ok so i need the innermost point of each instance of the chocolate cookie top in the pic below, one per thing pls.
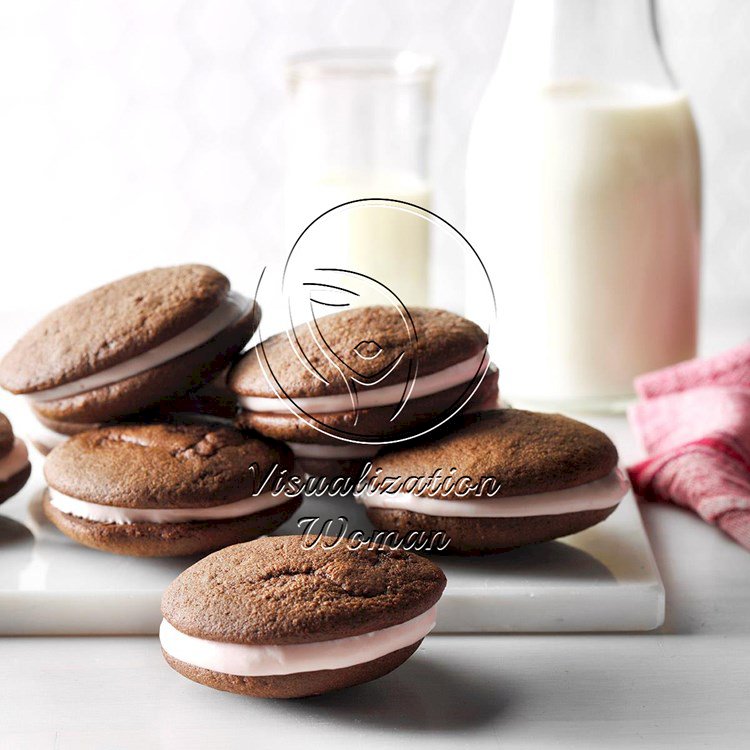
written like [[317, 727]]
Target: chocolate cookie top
[[527, 452], [361, 344], [275, 591], [163, 466], [6, 435], [111, 324]]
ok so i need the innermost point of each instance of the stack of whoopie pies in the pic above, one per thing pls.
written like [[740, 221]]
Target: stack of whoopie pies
[[126, 384], [160, 433]]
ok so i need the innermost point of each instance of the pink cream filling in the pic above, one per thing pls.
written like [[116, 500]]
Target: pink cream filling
[[603, 493], [254, 661], [425, 385], [72, 506]]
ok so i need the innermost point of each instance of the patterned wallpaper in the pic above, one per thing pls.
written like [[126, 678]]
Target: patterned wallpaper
[[136, 132]]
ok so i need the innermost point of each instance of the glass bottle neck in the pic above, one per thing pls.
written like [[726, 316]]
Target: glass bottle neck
[[610, 41]]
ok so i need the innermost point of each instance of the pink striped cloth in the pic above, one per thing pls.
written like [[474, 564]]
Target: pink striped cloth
[[694, 424]]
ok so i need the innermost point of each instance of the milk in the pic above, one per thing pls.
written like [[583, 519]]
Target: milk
[[584, 203], [387, 242]]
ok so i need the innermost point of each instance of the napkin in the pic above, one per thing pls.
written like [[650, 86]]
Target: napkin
[[693, 421]]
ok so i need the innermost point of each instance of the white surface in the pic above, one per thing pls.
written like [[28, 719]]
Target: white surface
[[683, 687], [601, 579]]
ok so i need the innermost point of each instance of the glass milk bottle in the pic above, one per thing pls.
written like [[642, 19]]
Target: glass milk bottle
[[357, 127], [583, 190]]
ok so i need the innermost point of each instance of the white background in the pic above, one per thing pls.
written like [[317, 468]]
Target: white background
[[143, 132]]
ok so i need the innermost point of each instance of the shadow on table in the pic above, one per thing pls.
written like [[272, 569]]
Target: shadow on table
[[421, 695], [551, 561], [13, 533]]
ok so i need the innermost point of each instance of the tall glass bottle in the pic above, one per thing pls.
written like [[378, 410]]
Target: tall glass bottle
[[358, 127], [583, 190]]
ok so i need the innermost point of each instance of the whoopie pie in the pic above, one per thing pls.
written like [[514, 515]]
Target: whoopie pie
[[498, 479], [335, 389], [128, 345], [15, 468], [279, 618], [164, 490]]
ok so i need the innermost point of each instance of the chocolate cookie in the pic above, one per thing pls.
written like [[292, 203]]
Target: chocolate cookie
[[497, 480], [15, 468], [128, 345], [164, 490], [275, 618], [338, 388]]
